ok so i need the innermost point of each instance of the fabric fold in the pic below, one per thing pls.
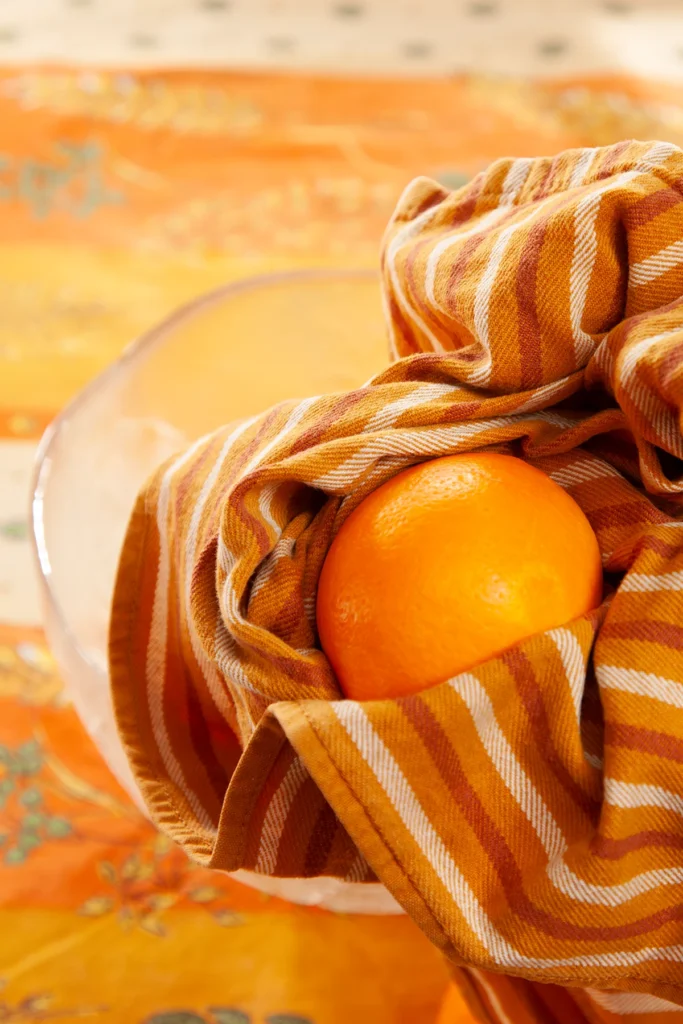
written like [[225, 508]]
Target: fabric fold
[[528, 814]]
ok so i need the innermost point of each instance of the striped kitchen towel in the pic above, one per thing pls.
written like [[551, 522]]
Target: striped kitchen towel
[[528, 814]]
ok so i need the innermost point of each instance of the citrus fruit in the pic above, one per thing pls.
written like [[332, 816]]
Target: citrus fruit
[[445, 565]]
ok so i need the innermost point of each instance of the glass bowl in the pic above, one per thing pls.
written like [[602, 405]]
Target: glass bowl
[[225, 356]]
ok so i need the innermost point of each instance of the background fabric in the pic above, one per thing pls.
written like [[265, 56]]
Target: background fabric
[[409, 37], [123, 194]]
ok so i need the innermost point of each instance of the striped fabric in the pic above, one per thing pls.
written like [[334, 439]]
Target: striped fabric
[[528, 814]]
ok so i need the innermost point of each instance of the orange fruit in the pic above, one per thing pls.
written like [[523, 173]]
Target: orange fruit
[[445, 565]]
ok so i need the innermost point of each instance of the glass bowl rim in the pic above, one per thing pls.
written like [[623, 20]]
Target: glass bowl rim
[[141, 346]]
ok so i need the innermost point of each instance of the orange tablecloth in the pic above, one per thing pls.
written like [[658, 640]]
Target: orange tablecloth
[[120, 197]]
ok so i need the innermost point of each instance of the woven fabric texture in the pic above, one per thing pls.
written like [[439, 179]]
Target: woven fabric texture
[[527, 813]]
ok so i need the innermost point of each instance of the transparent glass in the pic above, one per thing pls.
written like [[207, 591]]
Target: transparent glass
[[228, 355]]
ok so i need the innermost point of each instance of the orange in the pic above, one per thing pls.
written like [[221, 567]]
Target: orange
[[445, 565]]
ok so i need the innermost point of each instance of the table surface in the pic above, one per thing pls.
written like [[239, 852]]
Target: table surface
[[409, 37], [123, 194]]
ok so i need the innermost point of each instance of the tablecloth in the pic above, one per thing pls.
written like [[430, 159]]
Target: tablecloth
[[121, 195]]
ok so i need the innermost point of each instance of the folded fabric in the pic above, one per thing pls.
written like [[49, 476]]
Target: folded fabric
[[528, 814]]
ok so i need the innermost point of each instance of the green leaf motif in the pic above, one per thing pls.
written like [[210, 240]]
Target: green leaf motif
[[205, 894], [96, 906], [15, 856], [287, 1018], [32, 821], [162, 900], [153, 926], [228, 919], [225, 1015], [6, 787], [107, 872], [14, 529], [130, 866], [29, 758], [176, 1017], [27, 841], [35, 1004], [31, 797], [58, 828]]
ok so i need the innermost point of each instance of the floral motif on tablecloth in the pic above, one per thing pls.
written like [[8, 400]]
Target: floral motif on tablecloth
[[148, 103], [26, 821], [151, 880], [223, 1015], [42, 1007]]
